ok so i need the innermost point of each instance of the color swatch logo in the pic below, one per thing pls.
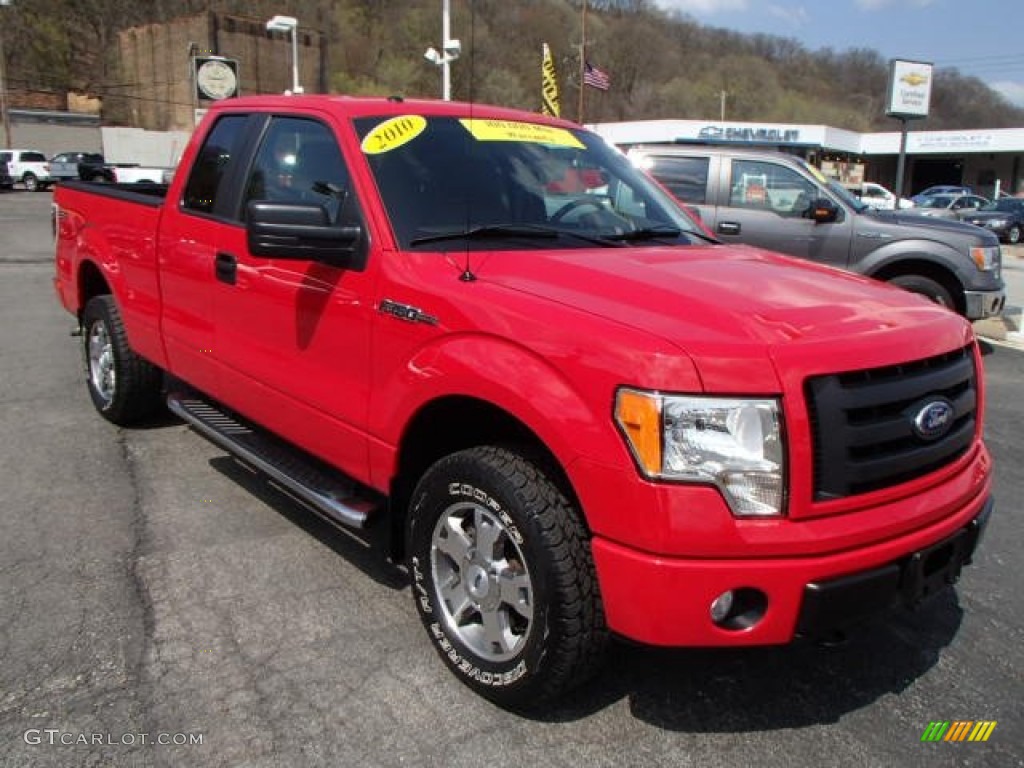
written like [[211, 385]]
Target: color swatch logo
[[958, 730]]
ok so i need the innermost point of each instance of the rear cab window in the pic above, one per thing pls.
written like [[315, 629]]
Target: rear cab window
[[206, 179], [685, 177]]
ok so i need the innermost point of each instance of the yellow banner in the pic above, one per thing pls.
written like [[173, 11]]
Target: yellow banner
[[549, 85]]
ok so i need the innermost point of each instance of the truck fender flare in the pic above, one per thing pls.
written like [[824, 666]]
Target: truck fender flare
[[889, 259], [95, 254], [501, 374]]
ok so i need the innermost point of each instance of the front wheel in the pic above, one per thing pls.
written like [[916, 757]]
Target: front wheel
[[123, 386], [927, 288], [503, 577], [1013, 235], [31, 182]]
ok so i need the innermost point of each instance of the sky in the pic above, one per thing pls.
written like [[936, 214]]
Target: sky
[[983, 38]]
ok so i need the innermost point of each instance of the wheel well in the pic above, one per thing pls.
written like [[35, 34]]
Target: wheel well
[[928, 269], [91, 283], [453, 424]]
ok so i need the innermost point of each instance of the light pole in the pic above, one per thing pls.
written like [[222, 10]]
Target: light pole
[[450, 50], [3, 84], [289, 24]]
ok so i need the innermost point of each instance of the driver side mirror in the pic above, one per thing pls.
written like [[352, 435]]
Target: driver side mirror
[[822, 211], [285, 230]]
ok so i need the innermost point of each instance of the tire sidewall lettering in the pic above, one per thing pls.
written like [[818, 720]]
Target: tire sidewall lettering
[[475, 671], [469, 491]]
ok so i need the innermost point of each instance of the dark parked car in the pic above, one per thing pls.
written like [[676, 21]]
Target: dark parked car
[[6, 180], [1005, 217], [87, 166]]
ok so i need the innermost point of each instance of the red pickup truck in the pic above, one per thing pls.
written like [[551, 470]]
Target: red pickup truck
[[486, 335]]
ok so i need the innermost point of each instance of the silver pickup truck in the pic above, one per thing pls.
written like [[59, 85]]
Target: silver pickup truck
[[781, 203]]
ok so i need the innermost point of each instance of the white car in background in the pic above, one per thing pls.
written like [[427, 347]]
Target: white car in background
[[29, 167], [876, 196]]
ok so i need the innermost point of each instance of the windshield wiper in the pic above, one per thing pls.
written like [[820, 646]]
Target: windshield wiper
[[646, 233], [532, 231], [702, 236], [661, 231]]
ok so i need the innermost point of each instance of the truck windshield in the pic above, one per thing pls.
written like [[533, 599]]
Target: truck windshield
[[847, 196], [471, 183]]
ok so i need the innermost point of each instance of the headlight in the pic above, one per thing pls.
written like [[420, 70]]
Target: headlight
[[987, 259], [734, 444]]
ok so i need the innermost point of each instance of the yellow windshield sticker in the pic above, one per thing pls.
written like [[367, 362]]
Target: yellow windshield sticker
[[512, 130], [393, 133], [817, 174]]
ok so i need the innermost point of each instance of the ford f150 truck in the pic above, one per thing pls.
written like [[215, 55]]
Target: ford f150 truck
[[777, 201], [487, 338]]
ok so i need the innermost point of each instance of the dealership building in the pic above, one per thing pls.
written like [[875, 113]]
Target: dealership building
[[983, 159]]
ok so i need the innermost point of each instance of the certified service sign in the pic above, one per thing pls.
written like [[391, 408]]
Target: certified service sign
[[910, 89]]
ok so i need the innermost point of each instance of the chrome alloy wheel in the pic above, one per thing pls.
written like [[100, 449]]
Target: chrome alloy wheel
[[100, 352], [483, 585]]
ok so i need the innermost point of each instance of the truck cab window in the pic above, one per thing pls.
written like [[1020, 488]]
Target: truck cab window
[[208, 171], [769, 187], [685, 177], [299, 161]]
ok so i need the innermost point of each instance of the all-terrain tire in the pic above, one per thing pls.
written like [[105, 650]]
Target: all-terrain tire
[[503, 577], [927, 288], [124, 387]]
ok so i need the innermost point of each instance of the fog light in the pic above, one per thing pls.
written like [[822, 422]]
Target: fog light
[[721, 606], [739, 609]]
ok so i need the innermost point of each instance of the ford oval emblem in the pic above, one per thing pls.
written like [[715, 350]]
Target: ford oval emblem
[[933, 419]]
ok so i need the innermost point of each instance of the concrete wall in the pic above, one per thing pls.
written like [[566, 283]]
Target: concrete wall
[[135, 145], [53, 132]]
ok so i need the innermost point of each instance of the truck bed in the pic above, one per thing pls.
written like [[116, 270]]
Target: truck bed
[[146, 194]]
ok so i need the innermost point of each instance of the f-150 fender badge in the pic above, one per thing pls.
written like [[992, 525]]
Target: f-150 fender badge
[[933, 418], [405, 312]]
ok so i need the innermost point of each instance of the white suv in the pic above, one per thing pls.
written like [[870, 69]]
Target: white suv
[[28, 166]]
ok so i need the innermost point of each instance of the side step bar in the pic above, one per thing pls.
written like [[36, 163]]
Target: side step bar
[[326, 491]]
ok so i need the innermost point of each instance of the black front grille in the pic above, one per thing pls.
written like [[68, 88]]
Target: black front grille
[[863, 429]]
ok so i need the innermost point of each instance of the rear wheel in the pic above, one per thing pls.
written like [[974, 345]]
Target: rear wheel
[[1013, 234], [926, 287], [30, 181], [123, 386], [503, 577]]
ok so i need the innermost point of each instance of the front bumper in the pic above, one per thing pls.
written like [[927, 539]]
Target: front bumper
[[982, 304], [833, 605], [666, 601]]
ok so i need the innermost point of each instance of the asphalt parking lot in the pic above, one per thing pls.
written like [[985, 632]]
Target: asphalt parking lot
[[153, 590]]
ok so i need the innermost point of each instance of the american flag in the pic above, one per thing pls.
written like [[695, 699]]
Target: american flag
[[596, 78]]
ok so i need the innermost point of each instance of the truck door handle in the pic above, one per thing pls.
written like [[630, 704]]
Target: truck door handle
[[729, 227], [226, 268]]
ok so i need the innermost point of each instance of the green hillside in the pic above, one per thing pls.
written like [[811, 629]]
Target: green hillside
[[661, 66]]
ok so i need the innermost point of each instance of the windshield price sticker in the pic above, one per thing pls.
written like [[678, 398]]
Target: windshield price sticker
[[393, 133], [511, 130]]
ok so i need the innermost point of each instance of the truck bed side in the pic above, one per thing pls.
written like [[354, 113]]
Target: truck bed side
[[106, 236]]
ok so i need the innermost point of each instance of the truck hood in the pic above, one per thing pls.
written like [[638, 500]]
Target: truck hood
[[926, 226], [713, 300]]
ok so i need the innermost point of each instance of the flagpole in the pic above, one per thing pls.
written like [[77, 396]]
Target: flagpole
[[583, 63]]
